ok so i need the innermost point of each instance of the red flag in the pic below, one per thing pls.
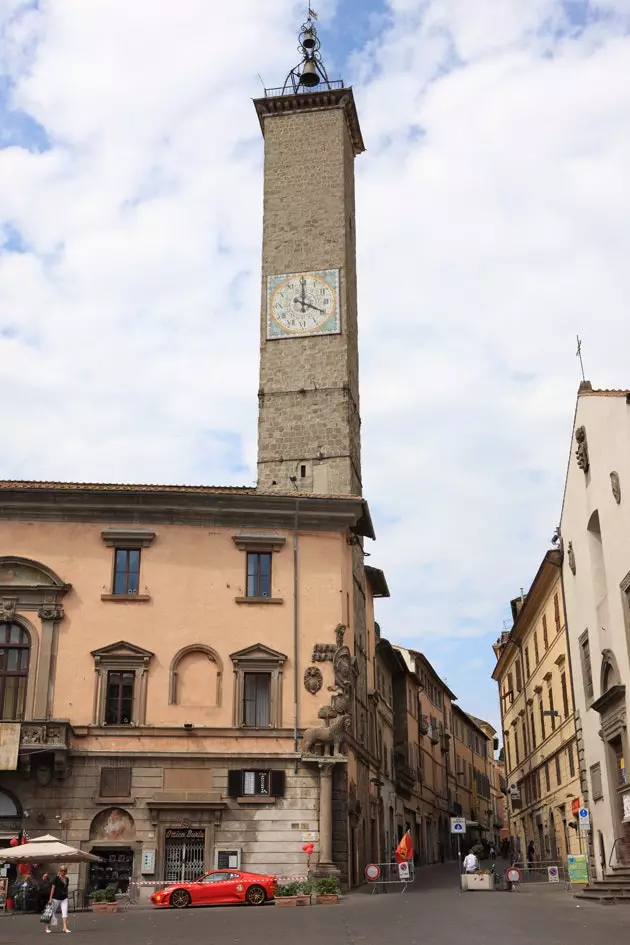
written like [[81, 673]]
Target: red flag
[[404, 850]]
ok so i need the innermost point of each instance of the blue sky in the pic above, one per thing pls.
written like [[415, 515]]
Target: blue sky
[[492, 226]]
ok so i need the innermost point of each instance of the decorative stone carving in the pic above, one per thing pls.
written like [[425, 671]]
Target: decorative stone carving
[[313, 679], [340, 630], [571, 557], [323, 652], [34, 735], [334, 736], [581, 452], [7, 608], [50, 612], [615, 485], [626, 807], [342, 668]]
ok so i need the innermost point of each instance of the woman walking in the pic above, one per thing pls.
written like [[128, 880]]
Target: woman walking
[[59, 899]]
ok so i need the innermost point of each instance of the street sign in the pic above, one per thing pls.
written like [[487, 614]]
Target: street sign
[[578, 869], [310, 836], [553, 874], [372, 872], [584, 819], [458, 825], [513, 875], [575, 806], [403, 872]]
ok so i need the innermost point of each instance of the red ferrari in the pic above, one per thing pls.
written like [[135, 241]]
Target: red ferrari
[[219, 886]]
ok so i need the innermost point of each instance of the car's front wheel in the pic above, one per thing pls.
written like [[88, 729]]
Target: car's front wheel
[[256, 896], [180, 899]]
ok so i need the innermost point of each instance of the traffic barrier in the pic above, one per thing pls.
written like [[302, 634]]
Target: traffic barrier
[[381, 875]]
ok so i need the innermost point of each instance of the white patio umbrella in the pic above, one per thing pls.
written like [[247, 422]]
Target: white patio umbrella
[[46, 849]]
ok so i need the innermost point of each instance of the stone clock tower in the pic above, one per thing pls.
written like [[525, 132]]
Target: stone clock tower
[[309, 421]]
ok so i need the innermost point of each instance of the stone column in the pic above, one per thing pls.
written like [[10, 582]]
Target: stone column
[[49, 613], [325, 867]]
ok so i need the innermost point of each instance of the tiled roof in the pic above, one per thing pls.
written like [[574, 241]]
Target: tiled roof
[[28, 485], [586, 390]]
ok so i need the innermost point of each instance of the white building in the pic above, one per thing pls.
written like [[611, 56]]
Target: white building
[[595, 530]]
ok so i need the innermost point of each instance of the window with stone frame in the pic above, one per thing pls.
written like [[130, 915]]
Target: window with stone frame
[[259, 551], [115, 782], [565, 695], [15, 653], [127, 543], [258, 687], [121, 684], [545, 633], [536, 653], [556, 612]]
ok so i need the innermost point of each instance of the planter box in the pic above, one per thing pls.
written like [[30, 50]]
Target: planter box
[[304, 899], [326, 899], [104, 906], [286, 901], [473, 882]]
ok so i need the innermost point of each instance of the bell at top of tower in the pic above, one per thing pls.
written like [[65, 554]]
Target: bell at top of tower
[[310, 73]]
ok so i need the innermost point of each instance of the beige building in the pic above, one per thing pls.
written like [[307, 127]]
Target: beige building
[[594, 529], [541, 754], [472, 749], [183, 666]]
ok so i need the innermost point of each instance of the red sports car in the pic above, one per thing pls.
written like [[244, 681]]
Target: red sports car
[[219, 886]]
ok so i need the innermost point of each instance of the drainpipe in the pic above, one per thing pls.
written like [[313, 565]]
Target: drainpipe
[[296, 625]]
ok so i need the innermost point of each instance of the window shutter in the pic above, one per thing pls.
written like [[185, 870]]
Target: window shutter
[[108, 782], [235, 783], [277, 783], [123, 782], [596, 781]]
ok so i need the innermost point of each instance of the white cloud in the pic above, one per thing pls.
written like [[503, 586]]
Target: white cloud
[[493, 204]]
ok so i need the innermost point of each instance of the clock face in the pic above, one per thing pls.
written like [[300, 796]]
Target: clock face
[[303, 303]]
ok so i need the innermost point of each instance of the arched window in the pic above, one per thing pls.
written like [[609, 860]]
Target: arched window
[[15, 651]]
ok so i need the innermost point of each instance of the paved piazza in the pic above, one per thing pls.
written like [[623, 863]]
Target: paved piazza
[[433, 913]]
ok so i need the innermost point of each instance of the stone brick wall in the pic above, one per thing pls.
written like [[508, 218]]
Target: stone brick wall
[[309, 397]]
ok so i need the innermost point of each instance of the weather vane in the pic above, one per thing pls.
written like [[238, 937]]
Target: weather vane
[[578, 354], [310, 71]]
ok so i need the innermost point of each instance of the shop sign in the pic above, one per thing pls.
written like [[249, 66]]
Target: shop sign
[[148, 862], [181, 833], [578, 869]]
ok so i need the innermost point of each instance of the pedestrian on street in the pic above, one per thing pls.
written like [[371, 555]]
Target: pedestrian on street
[[530, 854], [59, 900], [493, 853], [471, 863]]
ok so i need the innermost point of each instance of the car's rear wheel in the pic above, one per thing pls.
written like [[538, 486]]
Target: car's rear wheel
[[256, 896], [180, 899]]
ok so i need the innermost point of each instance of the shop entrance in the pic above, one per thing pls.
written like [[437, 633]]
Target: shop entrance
[[184, 854], [115, 871]]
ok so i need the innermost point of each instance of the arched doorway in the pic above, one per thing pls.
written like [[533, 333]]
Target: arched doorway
[[113, 833]]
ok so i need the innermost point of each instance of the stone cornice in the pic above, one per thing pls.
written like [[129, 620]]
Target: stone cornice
[[274, 105], [172, 505]]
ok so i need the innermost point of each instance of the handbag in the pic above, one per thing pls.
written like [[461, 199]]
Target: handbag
[[47, 914]]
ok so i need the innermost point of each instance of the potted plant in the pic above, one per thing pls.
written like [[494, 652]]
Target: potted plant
[[304, 891], [104, 900], [287, 894], [327, 890]]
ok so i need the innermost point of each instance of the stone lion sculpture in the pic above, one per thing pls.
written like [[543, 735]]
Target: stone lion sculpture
[[334, 735]]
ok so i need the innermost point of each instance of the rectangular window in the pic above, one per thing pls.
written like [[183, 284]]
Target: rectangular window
[[596, 781], [565, 695], [256, 783], [119, 698], [558, 772], [536, 653], [547, 779], [115, 782], [545, 633], [556, 612], [527, 670], [510, 689], [256, 697], [126, 570], [587, 675], [552, 710], [525, 739], [533, 727], [508, 751], [571, 761], [258, 574], [519, 676], [542, 719], [516, 751]]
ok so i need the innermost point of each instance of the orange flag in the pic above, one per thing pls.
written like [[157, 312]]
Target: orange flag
[[404, 850]]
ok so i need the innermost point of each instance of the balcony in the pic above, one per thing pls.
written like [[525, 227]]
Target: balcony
[[404, 775], [49, 743]]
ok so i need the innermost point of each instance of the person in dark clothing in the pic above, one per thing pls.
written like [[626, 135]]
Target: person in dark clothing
[[530, 853], [58, 896]]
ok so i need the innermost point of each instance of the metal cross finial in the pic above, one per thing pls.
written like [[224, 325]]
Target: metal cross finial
[[578, 354]]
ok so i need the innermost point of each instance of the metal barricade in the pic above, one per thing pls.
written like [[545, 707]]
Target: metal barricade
[[141, 890], [548, 874], [382, 875]]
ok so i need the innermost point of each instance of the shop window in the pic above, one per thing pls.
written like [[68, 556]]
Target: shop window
[[256, 783], [115, 782], [15, 652]]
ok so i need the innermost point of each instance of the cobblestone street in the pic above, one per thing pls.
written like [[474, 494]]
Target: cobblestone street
[[433, 911]]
